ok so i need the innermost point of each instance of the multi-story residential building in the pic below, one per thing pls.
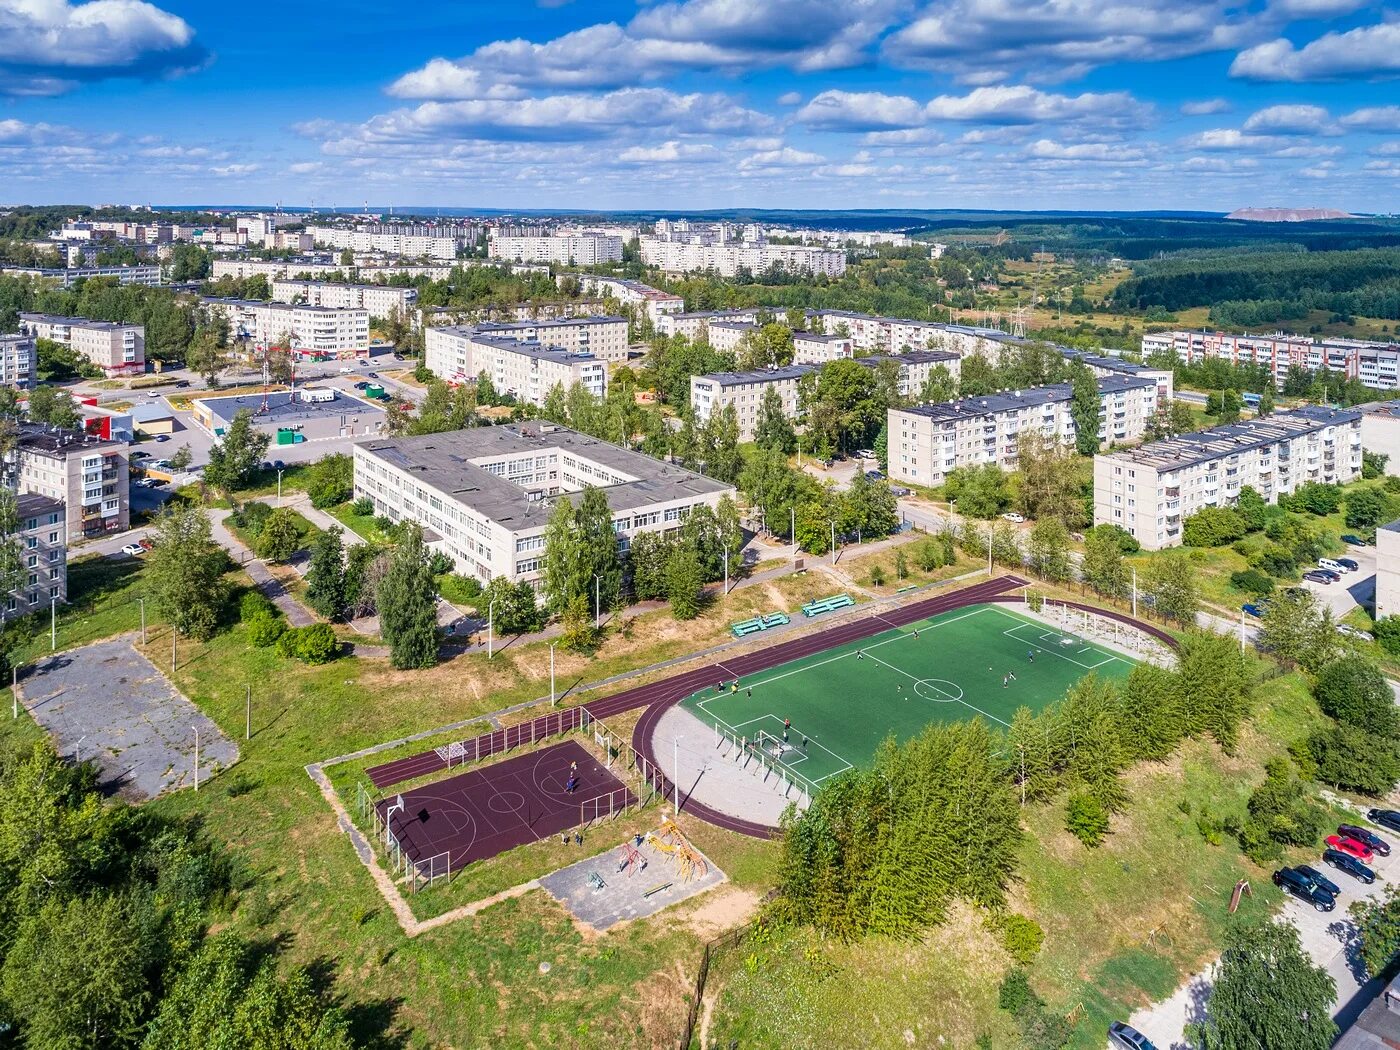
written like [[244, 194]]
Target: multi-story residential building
[[725, 336], [1374, 363], [584, 248], [242, 268], [368, 270], [1388, 570], [310, 329], [44, 556], [1380, 431], [87, 474], [727, 259], [379, 299], [409, 241], [523, 367], [926, 442], [1152, 489], [604, 338], [813, 348], [655, 302], [19, 361], [71, 275], [696, 326], [484, 494], [117, 349]]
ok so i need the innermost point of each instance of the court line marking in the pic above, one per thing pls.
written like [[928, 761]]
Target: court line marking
[[845, 765], [959, 700], [1010, 632]]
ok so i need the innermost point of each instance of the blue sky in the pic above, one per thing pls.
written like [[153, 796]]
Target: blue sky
[[1121, 104]]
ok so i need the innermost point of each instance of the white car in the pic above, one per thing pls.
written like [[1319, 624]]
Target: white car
[[135, 550], [1012, 516], [1354, 632]]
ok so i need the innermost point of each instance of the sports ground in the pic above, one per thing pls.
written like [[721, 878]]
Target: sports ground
[[844, 701]]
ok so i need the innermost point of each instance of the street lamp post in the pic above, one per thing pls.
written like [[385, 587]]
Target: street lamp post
[[248, 712], [833, 543], [490, 626], [552, 700], [726, 574], [196, 758], [793, 509], [1134, 592], [174, 647], [597, 601], [143, 619], [279, 488], [676, 768], [14, 691], [53, 623]]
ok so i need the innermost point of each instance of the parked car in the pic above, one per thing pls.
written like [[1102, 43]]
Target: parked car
[[1318, 879], [1012, 516], [1253, 610], [346, 368], [1386, 818], [875, 475], [1329, 565], [1365, 836], [1354, 632], [900, 490], [1300, 886], [134, 550], [140, 454], [1317, 576], [1353, 539], [1332, 574], [1350, 564], [1126, 1037], [372, 375], [361, 385], [866, 453], [153, 393], [1349, 864], [1347, 844], [162, 438]]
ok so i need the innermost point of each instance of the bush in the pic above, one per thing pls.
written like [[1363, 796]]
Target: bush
[[254, 605], [1021, 937], [1354, 692], [364, 507], [928, 555], [1016, 993], [1276, 561], [1281, 813], [1387, 634], [1251, 581], [250, 518], [877, 576], [1212, 527], [1354, 760], [331, 480], [316, 643], [439, 564], [265, 630], [1126, 542], [1086, 819]]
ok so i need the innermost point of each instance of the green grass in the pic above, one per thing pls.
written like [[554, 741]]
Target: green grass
[[362, 525], [845, 701], [102, 595], [306, 532]]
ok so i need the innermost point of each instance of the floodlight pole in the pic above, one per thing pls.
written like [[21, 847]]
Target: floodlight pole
[[793, 509], [490, 625], [1134, 592], [196, 758], [53, 624], [597, 601], [676, 766], [143, 619], [552, 700], [248, 712]]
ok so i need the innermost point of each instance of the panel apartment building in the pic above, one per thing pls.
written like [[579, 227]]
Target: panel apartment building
[[1375, 364], [728, 259], [522, 367], [379, 299], [44, 550], [695, 326], [242, 268], [311, 329], [653, 301], [567, 249], [117, 349], [68, 276], [404, 240], [1152, 489], [926, 442], [484, 495], [19, 361], [88, 475]]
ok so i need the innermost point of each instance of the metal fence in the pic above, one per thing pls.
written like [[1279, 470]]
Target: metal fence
[[557, 723], [751, 753]]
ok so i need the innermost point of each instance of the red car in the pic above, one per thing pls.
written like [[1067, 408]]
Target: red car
[[1359, 850]]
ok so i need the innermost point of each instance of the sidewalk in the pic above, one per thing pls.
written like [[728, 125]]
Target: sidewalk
[[296, 613]]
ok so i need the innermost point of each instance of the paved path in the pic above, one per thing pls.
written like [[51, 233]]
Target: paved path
[[297, 614]]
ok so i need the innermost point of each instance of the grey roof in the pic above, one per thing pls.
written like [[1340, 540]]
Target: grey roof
[[444, 463], [821, 337], [32, 504], [76, 322], [1017, 400], [909, 357], [718, 314], [531, 348], [1201, 446], [490, 326], [147, 413], [1392, 526], [1377, 1027], [248, 304], [37, 437], [760, 375], [284, 407], [1380, 408]]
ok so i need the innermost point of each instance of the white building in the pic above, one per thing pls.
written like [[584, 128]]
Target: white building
[[1380, 431], [1375, 364], [696, 326], [379, 299], [603, 337], [570, 249], [926, 442], [725, 336], [812, 348], [69, 276], [88, 474], [1388, 570], [19, 361], [655, 302], [312, 329], [522, 367], [117, 349], [242, 268], [42, 534], [1152, 489], [404, 241], [727, 259], [484, 494]]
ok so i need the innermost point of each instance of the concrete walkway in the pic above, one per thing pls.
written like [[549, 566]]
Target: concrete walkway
[[297, 614]]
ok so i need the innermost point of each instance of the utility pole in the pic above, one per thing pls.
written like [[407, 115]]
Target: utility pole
[[143, 619], [14, 690], [552, 700], [1134, 592], [196, 758], [490, 626], [174, 647], [597, 601], [53, 624], [676, 766], [248, 712]]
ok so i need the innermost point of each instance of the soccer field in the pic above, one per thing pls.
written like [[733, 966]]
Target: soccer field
[[845, 701]]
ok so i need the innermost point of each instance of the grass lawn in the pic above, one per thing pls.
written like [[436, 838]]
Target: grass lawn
[[362, 525], [859, 569], [306, 532]]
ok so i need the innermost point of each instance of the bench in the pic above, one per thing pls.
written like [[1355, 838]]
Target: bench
[[744, 627], [776, 619], [655, 889], [596, 881], [910, 587], [826, 605]]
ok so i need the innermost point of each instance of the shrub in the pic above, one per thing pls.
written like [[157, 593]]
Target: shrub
[[1127, 543], [1387, 634], [364, 507], [1281, 813], [265, 630], [1212, 527], [439, 564], [254, 605], [316, 643], [1016, 993], [287, 642], [1354, 692], [928, 555], [251, 517], [1022, 937], [1276, 561], [1086, 819], [1251, 581]]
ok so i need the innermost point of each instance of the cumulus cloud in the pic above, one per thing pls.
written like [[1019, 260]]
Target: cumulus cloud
[[1231, 139], [1205, 107], [671, 152], [48, 47], [1292, 120], [1021, 104], [18, 133], [1374, 118], [1364, 53], [861, 111], [1110, 152], [777, 159]]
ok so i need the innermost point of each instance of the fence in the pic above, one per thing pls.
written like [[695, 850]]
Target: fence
[[768, 767], [604, 807], [617, 749], [1090, 625], [420, 872], [565, 720]]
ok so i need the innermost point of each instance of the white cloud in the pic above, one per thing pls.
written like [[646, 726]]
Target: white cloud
[[18, 133], [789, 98], [1374, 118], [667, 153], [1110, 152], [1291, 120], [1365, 53], [787, 157], [51, 46], [1205, 107], [1020, 104], [1231, 139], [860, 111]]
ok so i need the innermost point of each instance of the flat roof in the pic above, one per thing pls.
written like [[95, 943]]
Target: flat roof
[[32, 504], [40, 437], [718, 313], [760, 375], [533, 348], [285, 406], [1016, 400], [556, 322], [1201, 446], [444, 462], [77, 322], [258, 304]]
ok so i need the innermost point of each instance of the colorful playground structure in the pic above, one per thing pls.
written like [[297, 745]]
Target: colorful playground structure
[[668, 840]]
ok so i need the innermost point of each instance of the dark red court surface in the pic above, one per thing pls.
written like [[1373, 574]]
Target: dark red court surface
[[498, 807]]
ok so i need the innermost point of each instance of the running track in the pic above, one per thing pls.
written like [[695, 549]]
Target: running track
[[656, 697]]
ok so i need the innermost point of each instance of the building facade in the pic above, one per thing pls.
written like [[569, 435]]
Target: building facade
[[927, 442], [654, 302], [42, 536], [727, 259], [1374, 363], [68, 276], [19, 361], [1388, 570], [522, 367], [242, 268], [483, 495], [696, 326], [813, 348], [568, 249], [311, 329], [1380, 431], [117, 349], [1151, 490], [380, 300], [87, 474]]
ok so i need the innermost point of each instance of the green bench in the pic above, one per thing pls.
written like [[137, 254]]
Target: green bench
[[776, 619], [826, 605], [910, 587], [744, 627], [596, 881], [655, 889]]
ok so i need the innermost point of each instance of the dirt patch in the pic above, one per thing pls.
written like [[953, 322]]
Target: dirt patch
[[722, 910]]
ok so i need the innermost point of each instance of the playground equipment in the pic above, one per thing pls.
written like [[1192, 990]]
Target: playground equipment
[[632, 861], [669, 840]]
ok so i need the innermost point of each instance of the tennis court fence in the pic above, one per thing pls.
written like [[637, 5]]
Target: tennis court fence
[[556, 723], [420, 872]]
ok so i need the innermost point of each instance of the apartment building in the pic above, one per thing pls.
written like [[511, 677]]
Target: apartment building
[[19, 361], [926, 442], [523, 367], [67, 276], [44, 554], [696, 326], [117, 349], [87, 474], [604, 337], [727, 259], [813, 348], [405, 241], [1388, 570], [1374, 363], [1152, 489], [725, 336], [570, 249], [1380, 431], [369, 269], [484, 495], [653, 301], [379, 299], [242, 268], [311, 329]]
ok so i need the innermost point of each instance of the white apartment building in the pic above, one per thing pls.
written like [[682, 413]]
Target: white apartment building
[[725, 336], [1375, 364], [926, 442], [71, 275], [370, 269], [312, 329], [87, 474], [484, 494], [1380, 431], [19, 361], [242, 268], [1388, 570], [695, 326], [604, 337], [408, 242], [1152, 489], [42, 536], [655, 302], [117, 349], [524, 368], [813, 348], [570, 249], [379, 299], [729, 258]]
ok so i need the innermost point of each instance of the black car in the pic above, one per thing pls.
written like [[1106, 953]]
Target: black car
[[1127, 1037], [1386, 818], [1365, 837], [1318, 879], [1349, 563], [1354, 540], [1317, 576], [1349, 864], [1302, 887]]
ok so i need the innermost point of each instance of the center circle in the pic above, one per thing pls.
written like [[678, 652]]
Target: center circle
[[939, 690], [506, 802]]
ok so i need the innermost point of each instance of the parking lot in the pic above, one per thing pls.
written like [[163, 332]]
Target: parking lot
[[1354, 589]]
